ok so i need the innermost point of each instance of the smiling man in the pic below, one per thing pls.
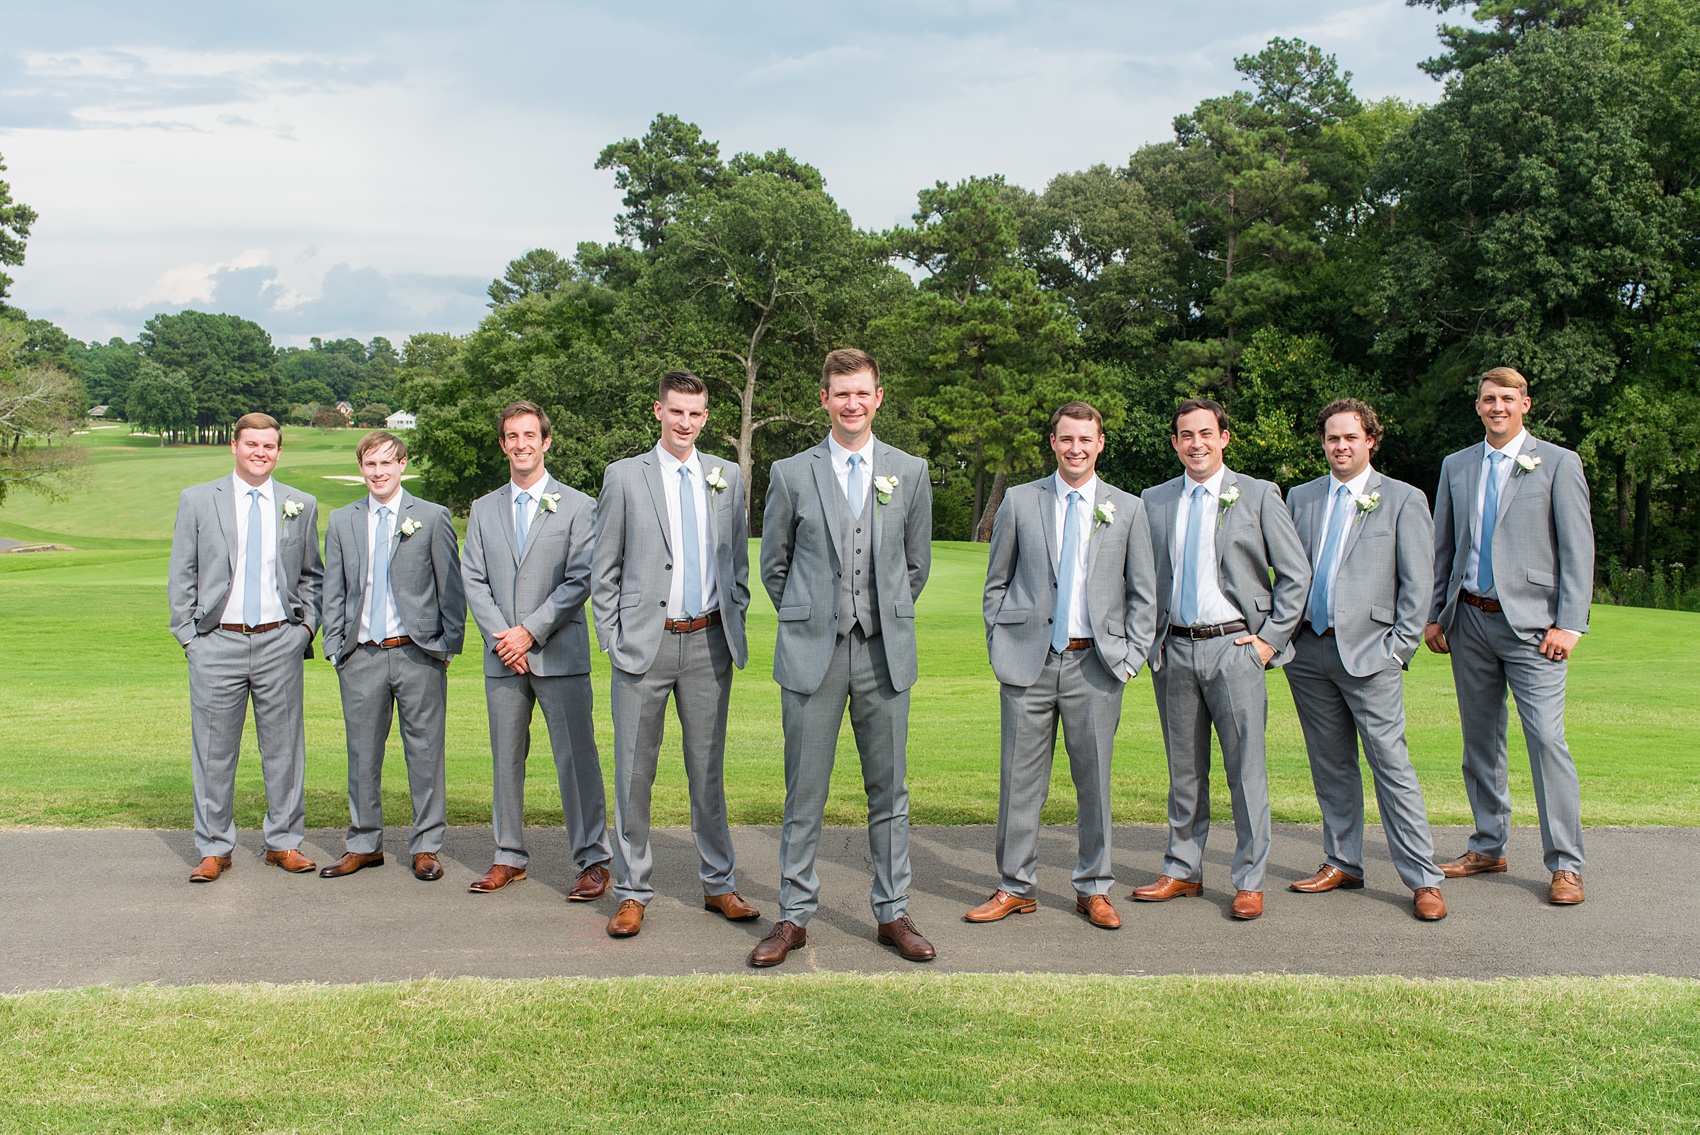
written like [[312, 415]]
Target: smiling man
[[846, 547], [1218, 538], [1070, 610], [244, 596], [1513, 576]]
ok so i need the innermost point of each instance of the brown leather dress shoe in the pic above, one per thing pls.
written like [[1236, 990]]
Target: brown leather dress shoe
[[1566, 888], [210, 868], [1098, 911], [1247, 905], [290, 860], [628, 920], [1327, 878], [1165, 889], [426, 866], [1427, 904], [1001, 905], [901, 935], [592, 884], [731, 905], [496, 878], [1472, 863], [780, 941], [351, 862]]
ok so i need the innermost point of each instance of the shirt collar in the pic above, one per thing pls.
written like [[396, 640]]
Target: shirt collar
[[267, 489], [1088, 491], [841, 456], [1355, 486], [536, 490], [672, 464], [1512, 447], [374, 504], [1213, 485]]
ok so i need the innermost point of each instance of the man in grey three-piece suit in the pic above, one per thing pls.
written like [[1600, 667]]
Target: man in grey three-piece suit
[[1217, 537], [244, 597], [1513, 576], [1371, 547], [395, 614], [1070, 609], [669, 588], [527, 572], [846, 548]]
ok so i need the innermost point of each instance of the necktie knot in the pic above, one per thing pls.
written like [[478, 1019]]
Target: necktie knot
[[383, 513]]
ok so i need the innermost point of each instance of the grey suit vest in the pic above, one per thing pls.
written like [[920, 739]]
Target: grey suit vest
[[858, 599]]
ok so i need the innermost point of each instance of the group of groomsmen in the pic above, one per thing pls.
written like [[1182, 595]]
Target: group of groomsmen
[[1211, 579]]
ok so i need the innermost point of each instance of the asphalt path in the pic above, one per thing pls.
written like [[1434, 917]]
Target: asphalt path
[[114, 906]]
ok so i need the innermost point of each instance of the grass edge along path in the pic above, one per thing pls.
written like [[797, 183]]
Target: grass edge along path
[[837, 1053]]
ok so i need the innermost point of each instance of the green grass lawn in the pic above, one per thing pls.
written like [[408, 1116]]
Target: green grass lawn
[[844, 1053], [95, 699]]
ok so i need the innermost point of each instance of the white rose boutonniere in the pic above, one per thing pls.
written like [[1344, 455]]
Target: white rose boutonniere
[[1526, 463], [716, 479], [407, 528], [548, 502], [292, 509], [885, 486], [1367, 503], [1103, 515], [1230, 495]]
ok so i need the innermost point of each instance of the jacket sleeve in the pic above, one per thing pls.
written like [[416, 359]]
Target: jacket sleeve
[[1413, 542], [1286, 554], [1000, 563], [1573, 525], [335, 594], [608, 558], [570, 595], [312, 581], [184, 577], [1445, 548], [451, 588], [475, 574], [918, 532], [778, 536], [740, 542], [1140, 572]]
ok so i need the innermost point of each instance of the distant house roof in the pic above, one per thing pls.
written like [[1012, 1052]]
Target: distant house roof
[[344, 408], [98, 412], [401, 420]]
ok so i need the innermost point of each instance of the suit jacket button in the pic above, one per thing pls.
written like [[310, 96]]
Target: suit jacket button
[[663, 603], [669, 567]]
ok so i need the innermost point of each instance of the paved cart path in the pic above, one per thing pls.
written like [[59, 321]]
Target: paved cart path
[[113, 906]]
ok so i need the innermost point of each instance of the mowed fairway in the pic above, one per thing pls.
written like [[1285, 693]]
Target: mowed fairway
[[95, 699]]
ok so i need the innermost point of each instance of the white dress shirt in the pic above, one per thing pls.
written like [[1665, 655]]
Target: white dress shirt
[[709, 600], [271, 603], [1079, 618], [1511, 450], [841, 466], [1354, 488], [380, 543], [1213, 606]]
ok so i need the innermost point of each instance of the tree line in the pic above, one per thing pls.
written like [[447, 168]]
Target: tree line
[[1289, 243]]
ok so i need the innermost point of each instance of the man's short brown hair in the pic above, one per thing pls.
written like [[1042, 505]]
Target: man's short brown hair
[[377, 439], [680, 382], [1080, 412], [256, 421], [847, 360], [1504, 376], [1365, 412], [1192, 405], [519, 410]]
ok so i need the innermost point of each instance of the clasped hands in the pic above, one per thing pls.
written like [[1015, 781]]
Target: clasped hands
[[511, 646], [1555, 646]]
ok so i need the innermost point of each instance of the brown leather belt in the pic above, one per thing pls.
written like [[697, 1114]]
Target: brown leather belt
[[1210, 630], [1480, 602], [1326, 632], [686, 626], [390, 643], [1079, 644], [244, 628]]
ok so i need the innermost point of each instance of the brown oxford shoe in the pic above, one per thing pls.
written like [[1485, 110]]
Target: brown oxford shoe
[[628, 920], [1428, 904], [1165, 889], [210, 868], [1247, 905], [780, 941], [1098, 911], [291, 860], [351, 862], [592, 884], [1327, 878], [731, 905], [426, 866], [1472, 863], [901, 935], [1001, 905], [1566, 889], [496, 878]]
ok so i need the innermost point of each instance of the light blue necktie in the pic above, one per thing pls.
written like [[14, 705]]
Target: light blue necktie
[[522, 519], [690, 556], [1189, 558], [381, 577], [251, 568], [1490, 519], [855, 490], [1322, 583], [1065, 574]]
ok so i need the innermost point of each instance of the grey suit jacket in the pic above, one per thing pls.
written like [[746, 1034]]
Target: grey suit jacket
[[1543, 541], [633, 563], [1021, 582], [1381, 591], [1254, 536], [543, 591], [801, 555], [203, 559], [424, 577]]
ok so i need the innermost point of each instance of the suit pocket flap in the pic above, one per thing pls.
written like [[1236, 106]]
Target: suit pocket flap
[[796, 614], [1013, 614], [1541, 578], [630, 598], [1263, 602], [904, 608], [1381, 614]]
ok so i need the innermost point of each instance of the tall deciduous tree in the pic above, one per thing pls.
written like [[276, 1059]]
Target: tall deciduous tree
[[228, 360], [40, 403], [658, 173]]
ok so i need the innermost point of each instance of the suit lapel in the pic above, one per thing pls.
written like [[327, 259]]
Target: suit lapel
[[832, 501], [540, 516], [1048, 519], [359, 522], [506, 522], [1355, 526], [658, 497], [1472, 494], [1224, 521], [1092, 527], [1167, 506], [1512, 483], [280, 494], [224, 504], [1310, 521], [403, 510]]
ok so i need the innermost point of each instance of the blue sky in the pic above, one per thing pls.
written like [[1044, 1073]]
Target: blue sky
[[366, 168]]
